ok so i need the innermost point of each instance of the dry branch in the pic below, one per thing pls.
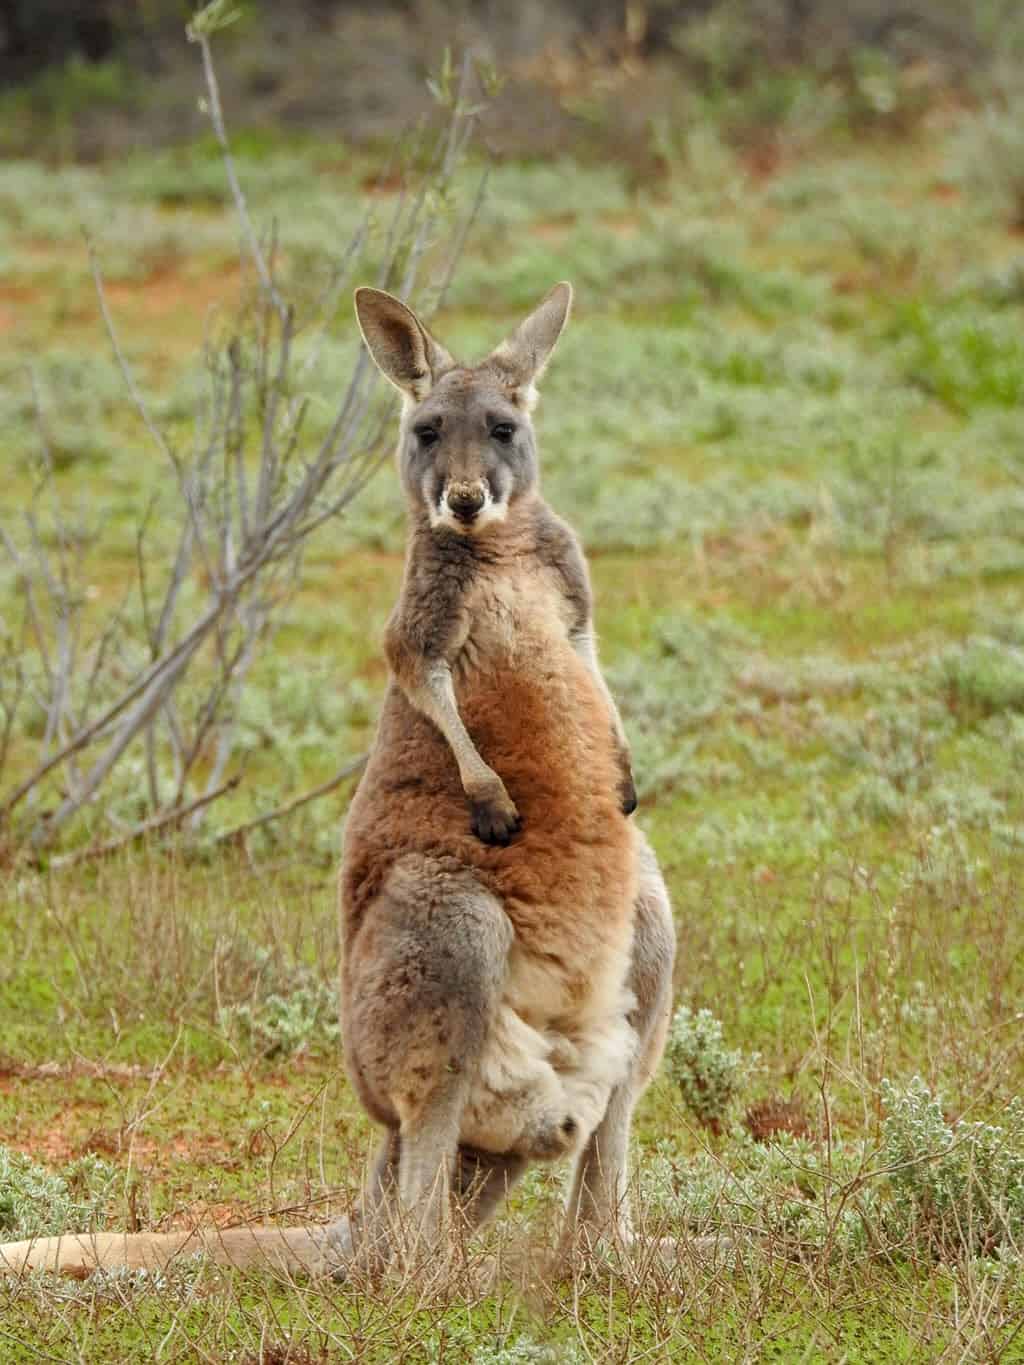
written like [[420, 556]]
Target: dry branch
[[349, 770], [158, 822]]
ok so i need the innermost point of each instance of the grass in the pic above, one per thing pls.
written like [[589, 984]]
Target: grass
[[787, 420]]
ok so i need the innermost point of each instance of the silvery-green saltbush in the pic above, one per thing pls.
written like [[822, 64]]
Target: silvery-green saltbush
[[282, 1024], [709, 1075], [959, 1188], [777, 1190], [35, 1202], [929, 1186], [984, 675], [523, 1351], [520, 1350]]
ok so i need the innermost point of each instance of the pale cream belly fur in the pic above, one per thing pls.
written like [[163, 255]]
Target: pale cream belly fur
[[545, 1076]]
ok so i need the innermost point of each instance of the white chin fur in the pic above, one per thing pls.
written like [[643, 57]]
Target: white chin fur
[[441, 515]]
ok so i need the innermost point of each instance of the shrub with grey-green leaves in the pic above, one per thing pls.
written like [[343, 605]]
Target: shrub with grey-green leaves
[[180, 1281], [710, 1076], [35, 1202], [984, 676], [958, 1188], [929, 1188], [988, 157], [524, 1351], [782, 1189], [463, 1343], [300, 1019]]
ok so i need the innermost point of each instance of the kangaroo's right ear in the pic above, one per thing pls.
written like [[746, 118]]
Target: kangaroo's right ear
[[401, 346]]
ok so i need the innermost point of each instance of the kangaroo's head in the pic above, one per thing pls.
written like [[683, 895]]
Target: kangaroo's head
[[466, 451]]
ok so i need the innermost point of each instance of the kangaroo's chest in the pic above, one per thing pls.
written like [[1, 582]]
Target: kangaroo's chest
[[517, 617]]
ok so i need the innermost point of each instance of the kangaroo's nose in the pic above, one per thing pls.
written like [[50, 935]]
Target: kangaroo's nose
[[465, 503]]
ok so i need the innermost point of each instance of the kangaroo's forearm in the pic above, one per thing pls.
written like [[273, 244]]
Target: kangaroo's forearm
[[427, 685], [430, 690], [422, 668], [562, 550]]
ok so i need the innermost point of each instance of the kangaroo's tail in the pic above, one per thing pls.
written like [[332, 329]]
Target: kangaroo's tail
[[292, 1250]]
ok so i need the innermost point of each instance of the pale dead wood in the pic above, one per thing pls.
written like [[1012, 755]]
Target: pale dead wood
[[158, 822]]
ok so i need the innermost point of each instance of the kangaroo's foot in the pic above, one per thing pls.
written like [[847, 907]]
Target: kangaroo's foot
[[359, 1242], [362, 1243]]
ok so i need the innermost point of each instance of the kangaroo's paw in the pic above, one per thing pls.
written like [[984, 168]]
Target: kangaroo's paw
[[549, 1140], [496, 820]]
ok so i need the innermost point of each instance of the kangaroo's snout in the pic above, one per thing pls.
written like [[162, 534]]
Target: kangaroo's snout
[[465, 501]]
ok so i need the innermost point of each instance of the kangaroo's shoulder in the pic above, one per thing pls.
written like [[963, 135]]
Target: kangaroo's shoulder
[[558, 548]]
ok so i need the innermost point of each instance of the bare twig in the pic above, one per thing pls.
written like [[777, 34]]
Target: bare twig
[[163, 821], [129, 379], [237, 193], [349, 770]]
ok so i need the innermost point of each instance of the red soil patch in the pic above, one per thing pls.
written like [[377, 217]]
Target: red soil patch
[[204, 1215], [169, 291], [56, 1146], [15, 301], [164, 293], [762, 161], [768, 1117], [554, 230]]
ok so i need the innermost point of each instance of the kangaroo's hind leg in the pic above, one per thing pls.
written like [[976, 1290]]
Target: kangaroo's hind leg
[[482, 1180], [376, 1210], [422, 981], [598, 1204]]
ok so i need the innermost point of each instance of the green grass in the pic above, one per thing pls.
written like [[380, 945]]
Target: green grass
[[787, 420]]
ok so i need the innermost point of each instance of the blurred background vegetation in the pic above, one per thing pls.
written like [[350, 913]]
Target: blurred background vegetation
[[583, 76]]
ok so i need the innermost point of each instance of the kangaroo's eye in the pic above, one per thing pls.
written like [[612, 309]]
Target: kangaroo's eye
[[428, 436], [503, 432]]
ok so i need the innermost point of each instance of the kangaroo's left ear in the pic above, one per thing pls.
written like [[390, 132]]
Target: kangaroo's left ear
[[521, 357]]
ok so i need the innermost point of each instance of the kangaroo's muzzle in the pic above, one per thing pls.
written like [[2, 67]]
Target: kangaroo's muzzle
[[465, 501]]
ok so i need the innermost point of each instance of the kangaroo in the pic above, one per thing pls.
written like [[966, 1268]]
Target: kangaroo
[[507, 942], [507, 939]]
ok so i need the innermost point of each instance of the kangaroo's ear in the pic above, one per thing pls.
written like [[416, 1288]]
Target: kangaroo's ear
[[521, 357], [403, 349]]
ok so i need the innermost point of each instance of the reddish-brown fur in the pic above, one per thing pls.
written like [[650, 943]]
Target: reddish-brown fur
[[565, 881]]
